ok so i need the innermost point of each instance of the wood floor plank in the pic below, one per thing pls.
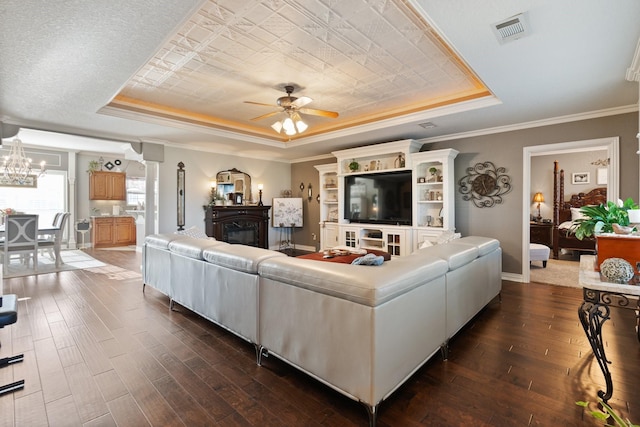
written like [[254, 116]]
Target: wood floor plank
[[63, 412], [127, 413], [150, 401], [52, 375], [86, 393]]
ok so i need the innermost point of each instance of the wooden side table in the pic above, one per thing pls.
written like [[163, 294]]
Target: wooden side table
[[541, 232]]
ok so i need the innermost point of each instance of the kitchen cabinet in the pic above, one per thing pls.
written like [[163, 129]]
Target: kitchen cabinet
[[113, 231], [107, 185]]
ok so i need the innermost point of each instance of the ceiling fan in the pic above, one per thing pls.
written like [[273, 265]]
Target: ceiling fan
[[293, 107]]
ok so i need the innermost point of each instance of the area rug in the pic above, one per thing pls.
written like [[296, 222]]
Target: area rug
[[563, 272], [72, 260]]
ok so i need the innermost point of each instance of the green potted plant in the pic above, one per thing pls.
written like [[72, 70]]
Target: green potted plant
[[94, 165], [603, 218], [353, 165]]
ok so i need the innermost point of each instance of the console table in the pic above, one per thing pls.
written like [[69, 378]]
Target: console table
[[247, 225], [599, 297]]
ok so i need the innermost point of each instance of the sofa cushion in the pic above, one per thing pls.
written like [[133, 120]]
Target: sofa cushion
[[456, 254], [192, 247], [239, 257], [162, 240], [485, 245], [357, 283]]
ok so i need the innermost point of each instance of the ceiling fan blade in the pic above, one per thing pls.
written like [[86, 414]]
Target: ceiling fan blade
[[301, 102], [322, 113], [260, 103], [264, 116]]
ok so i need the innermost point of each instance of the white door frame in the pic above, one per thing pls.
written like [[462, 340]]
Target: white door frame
[[611, 144]]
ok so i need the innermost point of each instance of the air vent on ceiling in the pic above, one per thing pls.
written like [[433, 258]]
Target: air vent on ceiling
[[511, 28], [427, 125]]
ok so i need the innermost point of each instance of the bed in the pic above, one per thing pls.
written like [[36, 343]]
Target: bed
[[565, 211]]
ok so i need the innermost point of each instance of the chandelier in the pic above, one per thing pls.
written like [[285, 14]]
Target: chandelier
[[17, 166], [291, 125]]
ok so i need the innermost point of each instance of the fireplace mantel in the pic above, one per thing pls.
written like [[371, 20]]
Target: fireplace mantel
[[247, 225]]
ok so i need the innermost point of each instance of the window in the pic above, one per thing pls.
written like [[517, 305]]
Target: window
[[135, 190], [47, 199]]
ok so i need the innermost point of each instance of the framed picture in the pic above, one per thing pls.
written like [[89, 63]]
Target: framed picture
[[580, 178], [601, 176], [238, 200], [287, 212]]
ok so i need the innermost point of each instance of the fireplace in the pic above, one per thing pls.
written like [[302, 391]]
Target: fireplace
[[241, 232], [247, 225]]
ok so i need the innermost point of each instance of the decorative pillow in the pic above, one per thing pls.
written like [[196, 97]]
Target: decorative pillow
[[447, 236], [426, 244], [194, 232], [576, 214]]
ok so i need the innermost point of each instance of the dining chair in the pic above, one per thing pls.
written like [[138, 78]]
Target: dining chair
[[56, 241], [46, 237], [20, 238]]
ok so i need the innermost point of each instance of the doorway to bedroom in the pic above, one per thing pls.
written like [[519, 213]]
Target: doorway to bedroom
[[587, 165]]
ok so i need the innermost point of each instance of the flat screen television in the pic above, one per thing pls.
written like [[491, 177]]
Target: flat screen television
[[378, 198]]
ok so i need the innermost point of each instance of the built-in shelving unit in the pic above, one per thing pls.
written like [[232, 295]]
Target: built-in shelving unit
[[432, 197], [433, 194]]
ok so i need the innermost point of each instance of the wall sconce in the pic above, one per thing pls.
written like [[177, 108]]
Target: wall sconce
[[318, 198], [260, 194], [538, 198], [309, 192], [302, 186]]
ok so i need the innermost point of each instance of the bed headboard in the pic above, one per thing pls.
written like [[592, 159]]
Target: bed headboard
[[562, 208]]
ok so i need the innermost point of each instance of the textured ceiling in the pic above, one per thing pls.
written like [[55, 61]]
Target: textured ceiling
[[365, 60], [186, 67]]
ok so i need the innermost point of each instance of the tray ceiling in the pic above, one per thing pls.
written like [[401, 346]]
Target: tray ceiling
[[367, 62]]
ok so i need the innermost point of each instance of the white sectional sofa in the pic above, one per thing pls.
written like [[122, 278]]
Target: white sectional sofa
[[362, 330]]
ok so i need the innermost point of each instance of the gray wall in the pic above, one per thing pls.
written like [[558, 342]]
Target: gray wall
[[200, 169], [504, 222]]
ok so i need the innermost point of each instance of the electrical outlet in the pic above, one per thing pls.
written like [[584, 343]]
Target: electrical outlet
[[313, 236]]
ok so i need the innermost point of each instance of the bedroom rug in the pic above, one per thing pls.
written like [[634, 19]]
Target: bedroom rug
[[564, 271], [73, 260]]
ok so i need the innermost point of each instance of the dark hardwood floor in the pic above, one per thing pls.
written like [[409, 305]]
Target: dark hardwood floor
[[100, 352]]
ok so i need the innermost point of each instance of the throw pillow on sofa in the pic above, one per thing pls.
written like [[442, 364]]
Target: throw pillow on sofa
[[195, 232]]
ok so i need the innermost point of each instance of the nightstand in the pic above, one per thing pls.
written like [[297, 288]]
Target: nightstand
[[541, 232]]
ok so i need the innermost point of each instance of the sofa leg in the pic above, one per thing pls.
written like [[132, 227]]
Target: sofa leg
[[171, 304], [372, 411], [143, 286], [260, 352], [444, 350]]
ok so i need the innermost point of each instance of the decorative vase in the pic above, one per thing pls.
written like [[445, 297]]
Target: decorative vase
[[621, 229], [617, 270]]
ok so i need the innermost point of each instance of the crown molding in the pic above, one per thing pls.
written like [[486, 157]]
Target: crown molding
[[534, 124]]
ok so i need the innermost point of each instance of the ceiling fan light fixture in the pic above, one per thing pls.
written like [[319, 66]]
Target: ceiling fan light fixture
[[289, 126], [301, 126], [277, 126]]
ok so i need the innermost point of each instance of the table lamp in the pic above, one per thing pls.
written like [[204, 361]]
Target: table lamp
[[538, 198]]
